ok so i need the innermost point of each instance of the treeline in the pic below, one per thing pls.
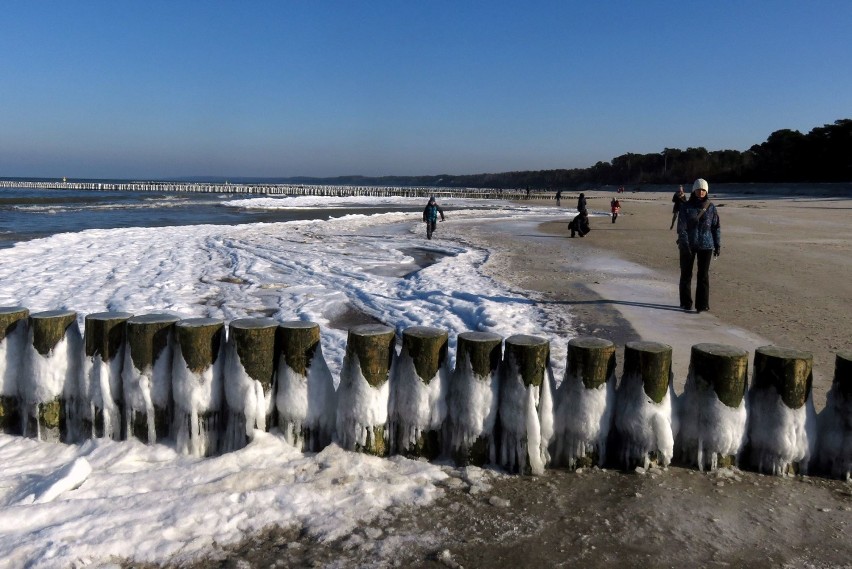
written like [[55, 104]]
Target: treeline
[[822, 155]]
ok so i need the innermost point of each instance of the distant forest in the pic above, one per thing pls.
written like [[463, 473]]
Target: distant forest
[[822, 155]]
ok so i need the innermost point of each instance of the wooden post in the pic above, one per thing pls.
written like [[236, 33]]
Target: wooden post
[[584, 403], [417, 398], [782, 425], [526, 413], [643, 412], [104, 336], [713, 410], [13, 338], [305, 396], [249, 379], [362, 403], [835, 422], [197, 385], [50, 392], [147, 376], [473, 399]]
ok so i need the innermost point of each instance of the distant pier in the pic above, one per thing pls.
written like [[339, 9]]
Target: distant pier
[[284, 189]]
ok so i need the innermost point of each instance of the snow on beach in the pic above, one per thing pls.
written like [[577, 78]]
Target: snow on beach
[[71, 504]]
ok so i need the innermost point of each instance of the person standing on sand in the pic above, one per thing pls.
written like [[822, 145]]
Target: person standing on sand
[[558, 198], [581, 203], [615, 208], [678, 198], [699, 235]]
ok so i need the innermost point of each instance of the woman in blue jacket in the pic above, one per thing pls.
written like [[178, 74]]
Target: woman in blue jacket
[[699, 237]]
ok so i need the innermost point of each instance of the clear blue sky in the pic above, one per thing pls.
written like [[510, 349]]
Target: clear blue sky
[[152, 89]]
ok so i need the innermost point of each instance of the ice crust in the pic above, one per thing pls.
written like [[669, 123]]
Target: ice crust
[[835, 435], [416, 405], [307, 404], [642, 425], [198, 402], [361, 408], [780, 438], [145, 389], [12, 360], [582, 420], [249, 406], [526, 420], [472, 404]]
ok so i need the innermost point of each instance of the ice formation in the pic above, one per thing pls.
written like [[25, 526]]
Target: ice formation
[[780, 438], [101, 394], [526, 420], [472, 403], [709, 429], [835, 434], [415, 406], [307, 404], [51, 378], [582, 420], [198, 398], [361, 408], [149, 389], [642, 425], [249, 406], [11, 359]]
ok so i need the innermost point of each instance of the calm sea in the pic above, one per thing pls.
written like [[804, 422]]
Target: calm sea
[[29, 214]]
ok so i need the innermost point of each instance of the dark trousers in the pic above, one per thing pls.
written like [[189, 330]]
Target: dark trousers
[[702, 287]]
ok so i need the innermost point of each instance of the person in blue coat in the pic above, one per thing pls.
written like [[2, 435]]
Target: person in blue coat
[[699, 238], [430, 215]]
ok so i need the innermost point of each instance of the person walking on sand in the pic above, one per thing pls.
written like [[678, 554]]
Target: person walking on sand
[[580, 224], [678, 198], [699, 236], [581, 203], [615, 208]]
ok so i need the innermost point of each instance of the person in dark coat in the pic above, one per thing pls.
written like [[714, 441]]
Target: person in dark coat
[[580, 224], [699, 237], [678, 198], [430, 215], [581, 203]]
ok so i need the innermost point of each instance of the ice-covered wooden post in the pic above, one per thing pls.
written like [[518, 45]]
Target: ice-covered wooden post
[[249, 379], [473, 399], [643, 411], [584, 403], [104, 336], [712, 407], [363, 393], [147, 376], [51, 382], [305, 396], [526, 404], [835, 422], [197, 385], [13, 339], [782, 419], [418, 400]]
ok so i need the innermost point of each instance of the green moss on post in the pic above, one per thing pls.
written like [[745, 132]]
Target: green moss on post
[[373, 345], [483, 351], [299, 341], [427, 347], [530, 354], [789, 370], [722, 368], [199, 340], [12, 319], [49, 328], [105, 333], [148, 336], [592, 359], [254, 339], [843, 373], [652, 362]]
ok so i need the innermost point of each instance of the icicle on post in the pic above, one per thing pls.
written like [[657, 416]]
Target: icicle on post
[[105, 334], [835, 422], [363, 394], [13, 337], [782, 425], [524, 404], [51, 393], [249, 379], [147, 376], [643, 413], [418, 397], [584, 403], [473, 399], [713, 410], [305, 396]]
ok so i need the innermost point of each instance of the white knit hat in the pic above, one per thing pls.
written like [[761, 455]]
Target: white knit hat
[[701, 184]]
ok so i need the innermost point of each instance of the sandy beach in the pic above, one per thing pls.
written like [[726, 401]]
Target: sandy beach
[[783, 276]]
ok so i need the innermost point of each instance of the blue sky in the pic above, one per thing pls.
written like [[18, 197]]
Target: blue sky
[[153, 89]]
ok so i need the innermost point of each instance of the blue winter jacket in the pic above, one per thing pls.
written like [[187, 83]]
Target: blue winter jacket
[[697, 230]]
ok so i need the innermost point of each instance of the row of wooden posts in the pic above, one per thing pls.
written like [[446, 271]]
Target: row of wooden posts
[[264, 347]]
